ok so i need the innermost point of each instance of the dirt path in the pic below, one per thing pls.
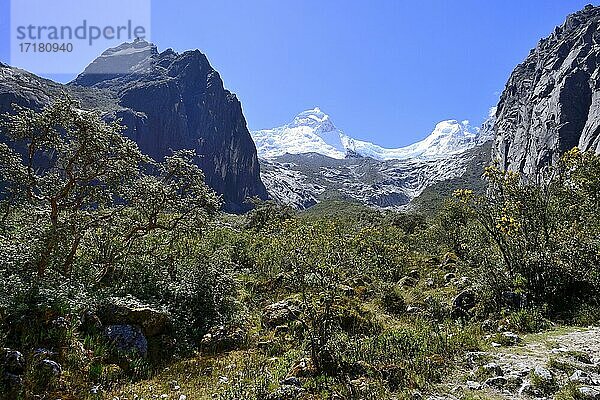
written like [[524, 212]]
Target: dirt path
[[563, 363]]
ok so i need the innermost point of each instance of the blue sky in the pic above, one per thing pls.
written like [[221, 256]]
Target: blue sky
[[386, 70]]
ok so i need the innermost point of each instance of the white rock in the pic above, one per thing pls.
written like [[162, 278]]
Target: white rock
[[588, 392], [543, 374], [580, 377], [472, 385]]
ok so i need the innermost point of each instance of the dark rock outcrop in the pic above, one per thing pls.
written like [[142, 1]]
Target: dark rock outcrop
[[127, 338], [166, 101], [174, 101], [12, 361], [551, 102]]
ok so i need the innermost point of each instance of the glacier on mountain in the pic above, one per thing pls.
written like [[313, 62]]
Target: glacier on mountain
[[310, 160], [312, 131]]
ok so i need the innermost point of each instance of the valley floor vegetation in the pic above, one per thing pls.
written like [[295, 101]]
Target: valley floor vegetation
[[119, 277]]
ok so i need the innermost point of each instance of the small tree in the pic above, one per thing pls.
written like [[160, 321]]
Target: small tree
[[67, 174], [70, 172]]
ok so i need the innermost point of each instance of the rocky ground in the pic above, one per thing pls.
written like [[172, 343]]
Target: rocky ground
[[560, 364]]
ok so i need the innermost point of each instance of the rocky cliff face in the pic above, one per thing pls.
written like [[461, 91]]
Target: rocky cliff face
[[167, 101], [303, 180], [172, 101], [551, 102]]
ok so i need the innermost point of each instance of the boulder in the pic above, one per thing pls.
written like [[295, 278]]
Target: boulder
[[488, 325], [588, 392], [462, 304], [476, 358], [496, 382], [492, 369], [222, 338], [130, 311], [514, 381], [543, 373], [90, 322], [510, 338], [50, 367], [279, 313], [12, 361], [580, 377]]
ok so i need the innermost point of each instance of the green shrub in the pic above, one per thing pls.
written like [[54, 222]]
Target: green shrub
[[544, 231], [528, 321]]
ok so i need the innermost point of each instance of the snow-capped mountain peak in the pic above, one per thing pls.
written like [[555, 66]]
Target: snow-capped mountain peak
[[312, 131], [314, 118]]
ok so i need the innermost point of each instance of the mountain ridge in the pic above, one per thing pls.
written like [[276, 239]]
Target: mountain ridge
[[311, 174], [313, 131], [166, 101]]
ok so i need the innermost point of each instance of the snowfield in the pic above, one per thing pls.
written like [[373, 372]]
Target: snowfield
[[312, 131]]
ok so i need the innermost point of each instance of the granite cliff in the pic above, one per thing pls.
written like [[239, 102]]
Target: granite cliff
[[551, 102]]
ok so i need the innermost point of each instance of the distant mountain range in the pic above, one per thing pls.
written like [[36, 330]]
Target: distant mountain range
[[309, 160], [313, 131]]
